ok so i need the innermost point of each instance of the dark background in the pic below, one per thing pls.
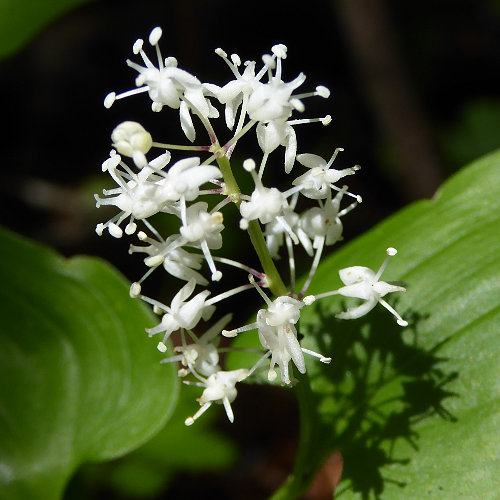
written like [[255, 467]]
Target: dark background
[[415, 96]]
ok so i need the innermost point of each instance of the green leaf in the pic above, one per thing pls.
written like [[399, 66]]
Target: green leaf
[[79, 381], [20, 20], [145, 472], [414, 411]]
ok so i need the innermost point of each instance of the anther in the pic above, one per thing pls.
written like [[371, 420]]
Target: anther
[[155, 35]]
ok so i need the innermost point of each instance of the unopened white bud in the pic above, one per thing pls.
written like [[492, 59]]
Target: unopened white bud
[[161, 347], [130, 138]]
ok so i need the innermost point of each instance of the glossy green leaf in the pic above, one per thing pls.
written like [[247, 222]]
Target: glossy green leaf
[[414, 411], [20, 20], [79, 380]]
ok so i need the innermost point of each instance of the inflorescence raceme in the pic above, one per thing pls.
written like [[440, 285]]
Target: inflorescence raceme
[[150, 183]]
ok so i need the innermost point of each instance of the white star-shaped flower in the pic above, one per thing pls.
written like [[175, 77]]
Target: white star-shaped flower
[[138, 196], [320, 179], [167, 85], [220, 388], [183, 313], [363, 283]]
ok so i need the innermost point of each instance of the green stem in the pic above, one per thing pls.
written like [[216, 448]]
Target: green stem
[[274, 280], [232, 188], [305, 465], [309, 447]]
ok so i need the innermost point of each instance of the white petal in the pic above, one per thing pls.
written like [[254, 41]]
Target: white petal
[[268, 136], [291, 149], [355, 274], [357, 312], [310, 160], [186, 122], [295, 351]]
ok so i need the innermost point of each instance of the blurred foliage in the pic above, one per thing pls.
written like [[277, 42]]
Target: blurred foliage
[[474, 131], [21, 20]]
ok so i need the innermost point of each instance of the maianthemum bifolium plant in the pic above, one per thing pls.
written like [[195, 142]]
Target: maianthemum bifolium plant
[[304, 214], [414, 412]]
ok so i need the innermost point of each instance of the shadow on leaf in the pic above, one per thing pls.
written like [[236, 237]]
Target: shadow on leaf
[[378, 387]]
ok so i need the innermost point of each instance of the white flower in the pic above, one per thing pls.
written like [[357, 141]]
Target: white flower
[[167, 85], [264, 102], [201, 225], [322, 224], [265, 204], [183, 313], [185, 177], [133, 140], [278, 335], [276, 133], [316, 183], [202, 356], [273, 100], [237, 91], [137, 195], [363, 283], [219, 388], [278, 228], [202, 229], [175, 259]]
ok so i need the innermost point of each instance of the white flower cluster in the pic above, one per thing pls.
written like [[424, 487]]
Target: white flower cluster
[[148, 184]]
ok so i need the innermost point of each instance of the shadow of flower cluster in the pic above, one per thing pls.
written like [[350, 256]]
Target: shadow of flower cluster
[[380, 384]]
